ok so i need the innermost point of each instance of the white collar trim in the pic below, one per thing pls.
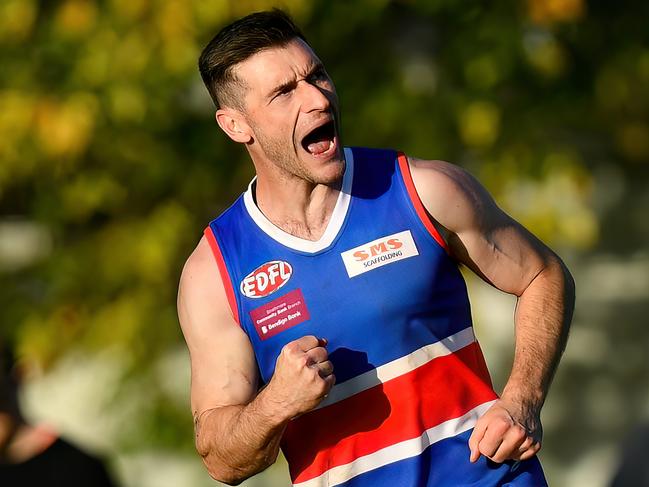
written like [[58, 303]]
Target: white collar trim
[[333, 227]]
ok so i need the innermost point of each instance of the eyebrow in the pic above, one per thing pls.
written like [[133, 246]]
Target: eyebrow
[[286, 85]]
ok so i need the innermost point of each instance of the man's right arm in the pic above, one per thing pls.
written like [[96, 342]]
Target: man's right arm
[[238, 430]]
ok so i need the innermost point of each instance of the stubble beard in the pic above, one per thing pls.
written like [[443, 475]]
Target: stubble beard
[[280, 154]]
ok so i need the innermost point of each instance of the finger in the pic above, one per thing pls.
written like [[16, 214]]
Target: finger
[[325, 368], [330, 380], [509, 448], [531, 451], [476, 437], [493, 437], [305, 343], [316, 355], [526, 445]]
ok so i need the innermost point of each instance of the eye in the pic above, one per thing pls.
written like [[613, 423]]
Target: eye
[[283, 93], [318, 75]]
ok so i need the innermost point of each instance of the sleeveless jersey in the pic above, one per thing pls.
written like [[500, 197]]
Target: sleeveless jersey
[[381, 288]]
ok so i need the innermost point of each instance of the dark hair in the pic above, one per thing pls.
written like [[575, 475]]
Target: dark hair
[[234, 44]]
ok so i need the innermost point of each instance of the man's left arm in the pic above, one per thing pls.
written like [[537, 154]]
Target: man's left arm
[[506, 255]]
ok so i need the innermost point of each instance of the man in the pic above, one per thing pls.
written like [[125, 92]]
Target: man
[[346, 260], [32, 455]]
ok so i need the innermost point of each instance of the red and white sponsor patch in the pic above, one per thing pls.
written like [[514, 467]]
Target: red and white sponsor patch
[[280, 314], [379, 252], [266, 279]]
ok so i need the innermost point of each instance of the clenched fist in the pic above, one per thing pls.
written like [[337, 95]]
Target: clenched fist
[[303, 376], [506, 432]]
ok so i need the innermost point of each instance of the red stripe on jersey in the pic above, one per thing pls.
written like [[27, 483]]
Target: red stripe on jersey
[[416, 201], [398, 410], [223, 270]]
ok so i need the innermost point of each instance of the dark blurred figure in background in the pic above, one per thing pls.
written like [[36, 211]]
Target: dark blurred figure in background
[[35, 455], [634, 468]]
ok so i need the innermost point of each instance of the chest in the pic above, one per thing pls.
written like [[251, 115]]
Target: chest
[[367, 295]]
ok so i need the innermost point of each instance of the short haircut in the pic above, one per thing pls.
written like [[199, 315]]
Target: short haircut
[[234, 44]]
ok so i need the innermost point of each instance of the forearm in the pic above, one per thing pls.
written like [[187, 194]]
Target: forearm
[[239, 441], [542, 320]]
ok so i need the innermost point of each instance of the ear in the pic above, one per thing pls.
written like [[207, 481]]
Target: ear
[[234, 125]]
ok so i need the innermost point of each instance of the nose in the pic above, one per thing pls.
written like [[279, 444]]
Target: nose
[[314, 98]]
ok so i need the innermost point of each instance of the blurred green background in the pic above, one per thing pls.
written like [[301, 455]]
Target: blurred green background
[[111, 165]]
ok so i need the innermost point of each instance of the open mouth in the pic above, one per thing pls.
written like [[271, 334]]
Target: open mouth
[[320, 140]]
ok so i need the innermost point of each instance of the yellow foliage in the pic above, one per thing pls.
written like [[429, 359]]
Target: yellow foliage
[[16, 115], [557, 207], [17, 20], [120, 321], [179, 56], [131, 55], [130, 9], [76, 17], [42, 335], [158, 242], [297, 8], [127, 103], [549, 11], [65, 128], [480, 124], [174, 20], [94, 63], [144, 250], [579, 228], [545, 54], [211, 13], [88, 193]]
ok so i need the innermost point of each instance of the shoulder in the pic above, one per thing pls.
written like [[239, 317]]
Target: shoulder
[[450, 194], [442, 177], [201, 289], [200, 267]]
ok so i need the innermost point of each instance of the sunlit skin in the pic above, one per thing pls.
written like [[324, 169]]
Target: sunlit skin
[[287, 94]]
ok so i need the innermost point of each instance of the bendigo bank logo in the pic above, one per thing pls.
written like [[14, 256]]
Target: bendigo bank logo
[[266, 279], [379, 252]]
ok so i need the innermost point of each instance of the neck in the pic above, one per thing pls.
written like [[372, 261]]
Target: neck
[[299, 207]]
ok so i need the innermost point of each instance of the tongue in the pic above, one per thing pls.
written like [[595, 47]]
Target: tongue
[[318, 147]]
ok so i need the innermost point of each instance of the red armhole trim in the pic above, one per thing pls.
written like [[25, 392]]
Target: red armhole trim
[[416, 202], [223, 270]]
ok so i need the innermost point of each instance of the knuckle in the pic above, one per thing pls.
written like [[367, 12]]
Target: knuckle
[[519, 433], [303, 361], [527, 443], [485, 450], [318, 354], [498, 458]]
